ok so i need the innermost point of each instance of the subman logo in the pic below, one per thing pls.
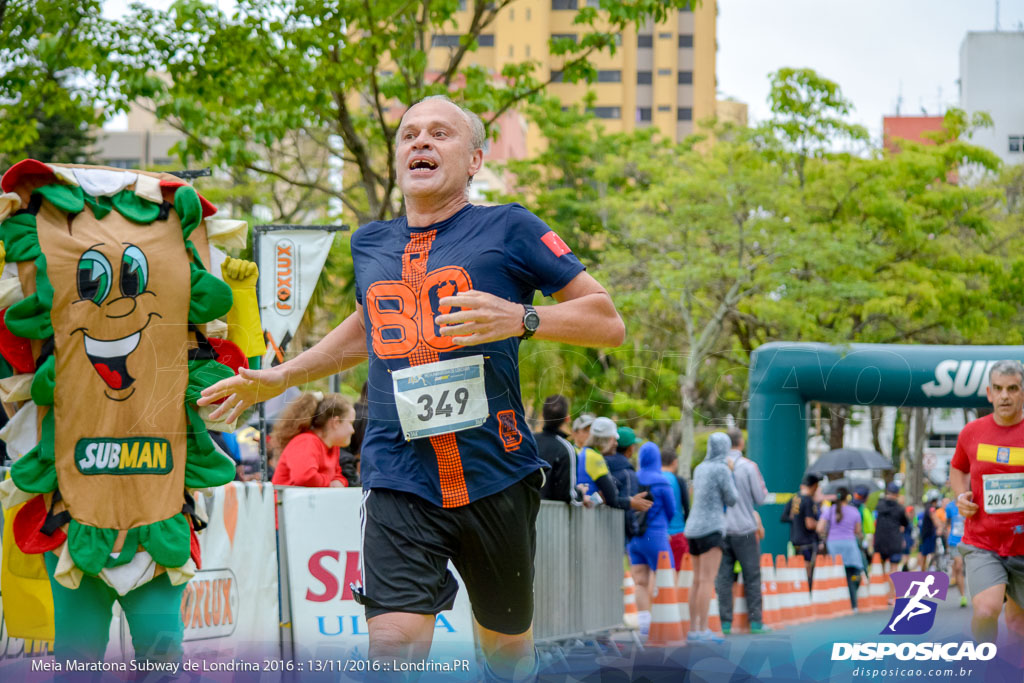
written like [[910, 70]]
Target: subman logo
[[914, 613], [136, 455]]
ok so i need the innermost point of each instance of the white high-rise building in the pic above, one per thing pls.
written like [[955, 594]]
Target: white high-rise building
[[989, 64]]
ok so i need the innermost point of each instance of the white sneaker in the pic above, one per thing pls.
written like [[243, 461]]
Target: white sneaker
[[643, 619]]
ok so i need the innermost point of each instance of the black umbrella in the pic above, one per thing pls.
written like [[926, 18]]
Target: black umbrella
[[843, 459], [832, 485]]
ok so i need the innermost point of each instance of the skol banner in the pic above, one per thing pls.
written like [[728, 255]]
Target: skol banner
[[290, 262], [321, 531]]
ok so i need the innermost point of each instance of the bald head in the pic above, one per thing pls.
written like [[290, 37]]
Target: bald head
[[477, 134]]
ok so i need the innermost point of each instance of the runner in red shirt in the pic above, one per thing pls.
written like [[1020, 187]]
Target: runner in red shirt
[[987, 476]]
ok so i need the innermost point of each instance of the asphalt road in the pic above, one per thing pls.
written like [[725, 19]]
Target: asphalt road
[[797, 653]]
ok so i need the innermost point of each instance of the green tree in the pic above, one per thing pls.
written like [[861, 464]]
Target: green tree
[[56, 81], [711, 251], [331, 71], [902, 252], [699, 232]]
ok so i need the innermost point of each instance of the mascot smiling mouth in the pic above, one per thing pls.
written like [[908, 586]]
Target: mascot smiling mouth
[[110, 358]]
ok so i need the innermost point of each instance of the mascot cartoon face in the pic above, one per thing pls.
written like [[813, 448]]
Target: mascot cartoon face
[[123, 289], [95, 276]]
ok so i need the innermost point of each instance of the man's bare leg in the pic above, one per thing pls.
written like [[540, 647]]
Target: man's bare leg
[[986, 606], [511, 657], [401, 636], [644, 586], [1015, 625]]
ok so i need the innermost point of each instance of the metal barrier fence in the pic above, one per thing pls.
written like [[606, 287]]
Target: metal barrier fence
[[578, 585]]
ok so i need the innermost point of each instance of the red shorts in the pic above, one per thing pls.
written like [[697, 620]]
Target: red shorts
[[679, 547]]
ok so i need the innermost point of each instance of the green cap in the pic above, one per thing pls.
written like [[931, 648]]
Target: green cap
[[626, 437]]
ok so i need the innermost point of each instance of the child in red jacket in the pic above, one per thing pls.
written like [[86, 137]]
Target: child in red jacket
[[311, 431]]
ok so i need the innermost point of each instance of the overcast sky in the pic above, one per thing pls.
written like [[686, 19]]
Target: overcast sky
[[874, 49]]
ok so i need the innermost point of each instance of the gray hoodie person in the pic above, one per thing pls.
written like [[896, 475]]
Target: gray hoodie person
[[713, 490], [739, 518]]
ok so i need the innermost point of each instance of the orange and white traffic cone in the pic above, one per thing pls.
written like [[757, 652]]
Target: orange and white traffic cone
[[666, 628], [803, 607], [831, 599], [863, 593], [840, 592], [770, 609], [714, 618], [684, 583], [819, 597], [740, 614], [629, 610], [787, 596], [878, 587]]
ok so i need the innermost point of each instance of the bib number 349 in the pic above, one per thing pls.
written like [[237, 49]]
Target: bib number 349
[[441, 398], [443, 406]]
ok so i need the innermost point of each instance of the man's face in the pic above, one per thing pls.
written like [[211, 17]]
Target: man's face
[[435, 155], [1005, 395], [580, 436]]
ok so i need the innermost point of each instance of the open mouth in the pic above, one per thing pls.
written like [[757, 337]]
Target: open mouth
[[422, 164], [110, 358]]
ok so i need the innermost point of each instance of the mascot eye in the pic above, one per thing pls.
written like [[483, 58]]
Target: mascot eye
[[94, 276], [134, 272]]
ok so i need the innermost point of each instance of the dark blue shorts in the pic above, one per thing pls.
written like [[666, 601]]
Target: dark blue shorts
[[645, 549]]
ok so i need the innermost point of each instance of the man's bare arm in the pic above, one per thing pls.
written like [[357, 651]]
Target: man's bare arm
[[960, 482], [583, 316], [343, 348]]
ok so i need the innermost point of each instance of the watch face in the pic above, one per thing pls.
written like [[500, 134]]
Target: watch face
[[531, 321]]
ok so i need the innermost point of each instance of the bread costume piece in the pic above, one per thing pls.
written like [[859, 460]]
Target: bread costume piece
[[116, 294]]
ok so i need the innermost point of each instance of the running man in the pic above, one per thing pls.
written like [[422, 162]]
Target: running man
[[450, 468], [914, 607], [987, 476]]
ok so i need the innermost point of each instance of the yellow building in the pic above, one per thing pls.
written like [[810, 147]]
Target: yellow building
[[731, 111], [661, 75]]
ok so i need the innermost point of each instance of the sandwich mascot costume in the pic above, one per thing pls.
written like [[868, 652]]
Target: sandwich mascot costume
[[108, 334]]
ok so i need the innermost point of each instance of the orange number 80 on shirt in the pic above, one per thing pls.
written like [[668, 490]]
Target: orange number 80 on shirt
[[402, 317]]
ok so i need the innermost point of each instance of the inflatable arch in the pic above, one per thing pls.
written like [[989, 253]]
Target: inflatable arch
[[784, 376]]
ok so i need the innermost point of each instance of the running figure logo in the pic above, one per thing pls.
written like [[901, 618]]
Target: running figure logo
[[914, 613]]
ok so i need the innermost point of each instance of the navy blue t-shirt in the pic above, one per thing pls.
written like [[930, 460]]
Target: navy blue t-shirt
[[400, 273]]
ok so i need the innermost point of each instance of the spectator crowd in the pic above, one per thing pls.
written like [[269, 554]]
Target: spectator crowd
[[713, 518]]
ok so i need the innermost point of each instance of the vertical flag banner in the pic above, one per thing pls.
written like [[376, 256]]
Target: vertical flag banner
[[290, 261]]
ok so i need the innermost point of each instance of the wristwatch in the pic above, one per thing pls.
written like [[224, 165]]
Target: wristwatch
[[531, 321]]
